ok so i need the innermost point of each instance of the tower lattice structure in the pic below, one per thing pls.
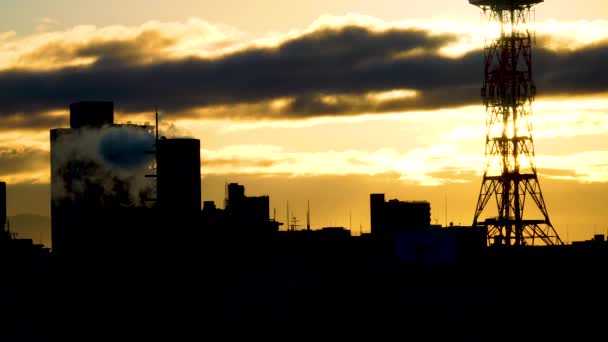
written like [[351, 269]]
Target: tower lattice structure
[[510, 176]]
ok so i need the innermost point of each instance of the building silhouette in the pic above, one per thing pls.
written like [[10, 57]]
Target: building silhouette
[[248, 213], [97, 179], [178, 168], [390, 217], [2, 205], [138, 246], [243, 216]]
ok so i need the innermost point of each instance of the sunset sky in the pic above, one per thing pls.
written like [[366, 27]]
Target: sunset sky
[[326, 101]]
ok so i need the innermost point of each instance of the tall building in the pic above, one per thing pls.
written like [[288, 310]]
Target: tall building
[[179, 175], [390, 217], [377, 203], [97, 170]]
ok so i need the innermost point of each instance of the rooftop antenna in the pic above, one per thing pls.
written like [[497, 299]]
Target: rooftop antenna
[[294, 223], [287, 222], [308, 216], [446, 210], [225, 194], [350, 220], [156, 123]]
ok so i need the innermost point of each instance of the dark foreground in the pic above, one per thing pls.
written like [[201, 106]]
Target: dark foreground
[[251, 289]]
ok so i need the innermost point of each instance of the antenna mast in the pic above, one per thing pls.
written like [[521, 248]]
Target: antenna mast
[[308, 216], [508, 91], [156, 123]]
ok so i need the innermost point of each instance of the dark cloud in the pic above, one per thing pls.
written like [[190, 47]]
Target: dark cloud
[[144, 48], [345, 63], [571, 72], [14, 161], [311, 104]]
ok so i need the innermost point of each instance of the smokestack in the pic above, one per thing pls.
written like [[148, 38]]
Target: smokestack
[[2, 205]]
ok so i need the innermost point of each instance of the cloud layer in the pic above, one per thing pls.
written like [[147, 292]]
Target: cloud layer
[[328, 70], [327, 77]]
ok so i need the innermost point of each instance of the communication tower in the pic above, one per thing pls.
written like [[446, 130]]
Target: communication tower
[[510, 176]]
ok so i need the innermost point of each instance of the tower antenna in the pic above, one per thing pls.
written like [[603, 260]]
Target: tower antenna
[[308, 216], [225, 194], [508, 92], [446, 209]]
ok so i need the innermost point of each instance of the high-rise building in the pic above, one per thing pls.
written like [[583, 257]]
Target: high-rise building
[[97, 168]]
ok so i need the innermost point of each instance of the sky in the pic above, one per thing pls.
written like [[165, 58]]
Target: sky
[[320, 101]]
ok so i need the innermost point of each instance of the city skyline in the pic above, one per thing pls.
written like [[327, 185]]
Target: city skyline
[[353, 101]]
